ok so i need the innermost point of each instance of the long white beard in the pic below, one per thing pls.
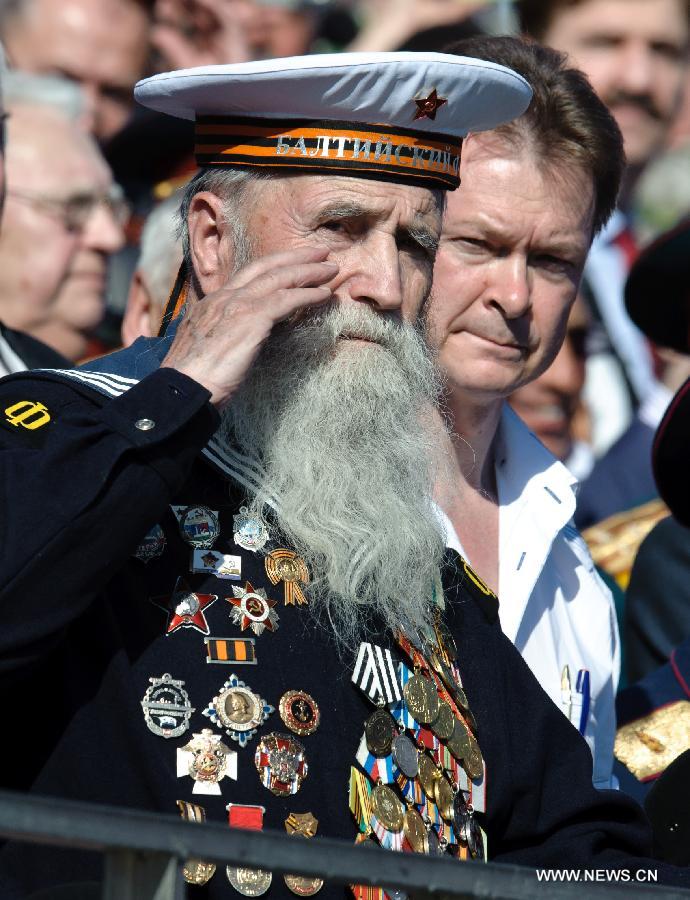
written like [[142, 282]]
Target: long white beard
[[340, 432]]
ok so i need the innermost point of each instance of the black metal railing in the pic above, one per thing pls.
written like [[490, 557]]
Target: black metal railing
[[144, 852]]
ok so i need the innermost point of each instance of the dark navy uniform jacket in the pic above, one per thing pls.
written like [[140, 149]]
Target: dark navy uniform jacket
[[80, 640]]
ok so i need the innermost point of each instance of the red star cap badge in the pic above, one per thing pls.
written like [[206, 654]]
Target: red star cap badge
[[185, 608], [427, 106]]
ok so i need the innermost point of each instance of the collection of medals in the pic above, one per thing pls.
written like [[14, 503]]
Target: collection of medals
[[236, 710], [421, 774]]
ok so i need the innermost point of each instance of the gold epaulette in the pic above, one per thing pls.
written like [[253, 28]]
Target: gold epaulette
[[648, 745], [614, 542]]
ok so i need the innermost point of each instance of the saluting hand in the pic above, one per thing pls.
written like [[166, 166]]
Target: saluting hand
[[221, 335]]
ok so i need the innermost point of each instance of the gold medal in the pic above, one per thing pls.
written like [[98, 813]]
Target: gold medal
[[428, 775], [415, 831], [421, 699], [444, 795], [302, 825], [473, 762], [459, 741], [444, 723], [195, 871], [303, 886], [446, 641], [379, 731], [387, 808]]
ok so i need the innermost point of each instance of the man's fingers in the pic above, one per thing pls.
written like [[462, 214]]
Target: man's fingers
[[286, 303], [275, 261], [295, 276]]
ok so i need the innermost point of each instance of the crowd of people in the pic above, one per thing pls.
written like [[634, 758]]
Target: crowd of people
[[314, 358]]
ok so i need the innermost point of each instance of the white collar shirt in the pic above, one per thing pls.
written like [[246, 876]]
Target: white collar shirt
[[554, 606]]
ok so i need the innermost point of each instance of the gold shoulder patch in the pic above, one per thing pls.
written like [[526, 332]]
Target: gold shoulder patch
[[27, 414], [614, 542], [648, 745]]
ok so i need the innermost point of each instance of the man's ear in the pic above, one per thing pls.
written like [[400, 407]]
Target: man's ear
[[209, 244], [136, 320]]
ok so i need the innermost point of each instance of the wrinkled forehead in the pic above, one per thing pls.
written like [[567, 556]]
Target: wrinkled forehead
[[347, 197]]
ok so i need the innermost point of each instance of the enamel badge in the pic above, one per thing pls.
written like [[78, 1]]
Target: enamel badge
[[185, 608], [207, 760], [288, 567], [198, 525], [252, 609], [281, 763], [151, 545], [222, 565], [249, 533], [300, 712], [166, 706], [238, 710]]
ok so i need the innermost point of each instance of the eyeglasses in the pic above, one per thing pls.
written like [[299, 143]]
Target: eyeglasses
[[74, 212]]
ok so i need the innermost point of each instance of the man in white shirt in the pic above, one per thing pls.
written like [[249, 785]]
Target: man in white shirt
[[635, 53], [514, 243]]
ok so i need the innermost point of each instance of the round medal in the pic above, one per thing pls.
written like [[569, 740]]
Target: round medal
[[470, 719], [415, 831], [472, 836], [473, 762], [406, 756], [194, 871], [387, 808], [249, 882], [299, 712], [199, 526], [379, 731], [433, 843], [421, 699], [459, 741], [444, 723], [428, 775], [460, 813], [460, 697], [303, 886], [445, 795], [238, 709], [446, 640]]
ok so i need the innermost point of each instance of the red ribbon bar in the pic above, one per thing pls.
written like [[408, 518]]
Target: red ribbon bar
[[249, 817]]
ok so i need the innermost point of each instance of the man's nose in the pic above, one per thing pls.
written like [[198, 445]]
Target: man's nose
[[510, 288], [103, 230], [373, 273], [636, 68]]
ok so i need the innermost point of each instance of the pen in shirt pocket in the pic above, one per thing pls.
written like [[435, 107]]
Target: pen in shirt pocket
[[566, 693], [582, 693]]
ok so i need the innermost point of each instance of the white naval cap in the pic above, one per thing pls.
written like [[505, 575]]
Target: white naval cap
[[389, 116]]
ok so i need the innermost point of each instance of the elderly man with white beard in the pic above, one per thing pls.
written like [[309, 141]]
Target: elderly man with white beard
[[223, 582]]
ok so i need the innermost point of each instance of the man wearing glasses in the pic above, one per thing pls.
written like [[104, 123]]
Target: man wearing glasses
[[62, 218]]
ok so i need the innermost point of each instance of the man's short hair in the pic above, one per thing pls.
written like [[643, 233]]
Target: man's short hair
[[536, 16], [566, 124]]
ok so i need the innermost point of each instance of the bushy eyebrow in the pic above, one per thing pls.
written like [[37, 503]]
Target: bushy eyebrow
[[417, 232]]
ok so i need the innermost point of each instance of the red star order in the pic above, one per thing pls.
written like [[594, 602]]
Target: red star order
[[427, 106], [185, 608]]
